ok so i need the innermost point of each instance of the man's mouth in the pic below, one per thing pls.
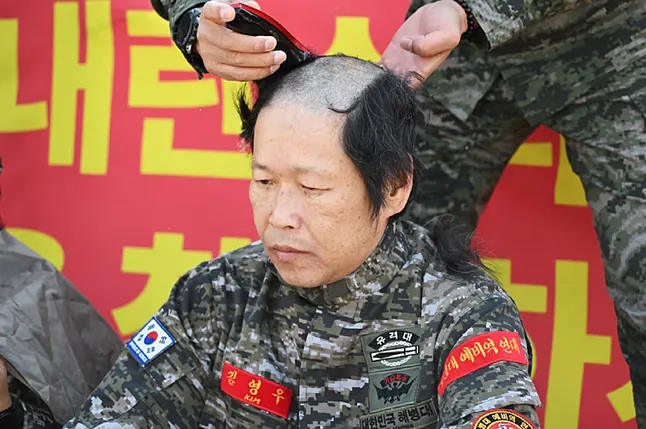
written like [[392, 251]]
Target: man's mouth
[[286, 253]]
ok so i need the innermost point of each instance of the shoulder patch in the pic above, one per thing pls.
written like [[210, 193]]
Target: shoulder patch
[[502, 419], [480, 351], [151, 341]]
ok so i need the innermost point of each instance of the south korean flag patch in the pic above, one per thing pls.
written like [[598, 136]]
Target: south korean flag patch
[[151, 341]]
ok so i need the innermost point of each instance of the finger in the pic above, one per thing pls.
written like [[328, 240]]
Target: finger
[[401, 69], [398, 60], [224, 38], [217, 12], [432, 43], [427, 68], [243, 74], [243, 59], [412, 68]]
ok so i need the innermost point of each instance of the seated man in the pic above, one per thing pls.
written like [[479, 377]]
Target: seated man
[[343, 315]]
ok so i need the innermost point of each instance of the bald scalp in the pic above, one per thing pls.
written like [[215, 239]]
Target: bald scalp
[[331, 83]]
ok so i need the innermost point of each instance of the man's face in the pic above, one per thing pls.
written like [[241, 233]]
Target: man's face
[[310, 206]]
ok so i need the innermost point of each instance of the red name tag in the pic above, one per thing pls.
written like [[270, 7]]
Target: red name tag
[[480, 351], [255, 390]]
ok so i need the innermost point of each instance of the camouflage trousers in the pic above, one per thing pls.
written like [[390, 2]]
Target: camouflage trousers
[[605, 132]]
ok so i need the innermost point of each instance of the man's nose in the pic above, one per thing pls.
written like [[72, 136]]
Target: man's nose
[[285, 212]]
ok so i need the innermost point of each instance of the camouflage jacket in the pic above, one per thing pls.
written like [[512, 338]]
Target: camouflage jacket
[[35, 413], [552, 51], [371, 350]]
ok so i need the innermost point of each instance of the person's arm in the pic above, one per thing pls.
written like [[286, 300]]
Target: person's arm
[[198, 29], [436, 27], [170, 388], [485, 364], [36, 417], [502, 20]]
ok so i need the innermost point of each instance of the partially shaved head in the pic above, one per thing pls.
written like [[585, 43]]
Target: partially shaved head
[[377, 114], [329, 83]]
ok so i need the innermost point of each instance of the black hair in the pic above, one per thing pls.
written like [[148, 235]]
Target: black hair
[[453, 241], [379, 136]]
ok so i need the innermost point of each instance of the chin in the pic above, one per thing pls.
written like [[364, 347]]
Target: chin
[[294, 279]]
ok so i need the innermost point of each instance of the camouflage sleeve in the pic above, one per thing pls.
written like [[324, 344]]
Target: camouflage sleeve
[[171, 10], [502, 20], [34, 417], [169, 391], [478, 374], [32, 410]]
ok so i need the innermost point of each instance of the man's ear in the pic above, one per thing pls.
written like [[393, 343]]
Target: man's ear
[[398, 197]]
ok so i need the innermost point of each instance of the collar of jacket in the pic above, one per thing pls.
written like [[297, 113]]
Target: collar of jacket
[[373, 276]]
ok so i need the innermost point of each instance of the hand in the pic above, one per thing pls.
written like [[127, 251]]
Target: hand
[[231, 55], [5, 398], [425, 40]]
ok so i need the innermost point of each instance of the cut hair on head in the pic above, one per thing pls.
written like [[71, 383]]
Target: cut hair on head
[[380, 110]]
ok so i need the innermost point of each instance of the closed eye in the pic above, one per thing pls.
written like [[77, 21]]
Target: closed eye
[[313, 189]]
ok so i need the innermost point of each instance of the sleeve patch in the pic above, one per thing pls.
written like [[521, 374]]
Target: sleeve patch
[[151, 341], [480, 351], [502, 419]]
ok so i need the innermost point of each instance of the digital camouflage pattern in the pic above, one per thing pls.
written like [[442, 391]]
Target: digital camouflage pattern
[[331, 345], [580, 68], [35, 413], [551, 52], [577, 66]]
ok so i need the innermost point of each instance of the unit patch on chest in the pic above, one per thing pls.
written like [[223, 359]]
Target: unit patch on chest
[[391, 349], [392, 358], [392, 389]]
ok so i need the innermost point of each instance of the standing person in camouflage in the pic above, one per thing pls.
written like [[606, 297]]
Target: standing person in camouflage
[[492, 70], [344, 315]]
